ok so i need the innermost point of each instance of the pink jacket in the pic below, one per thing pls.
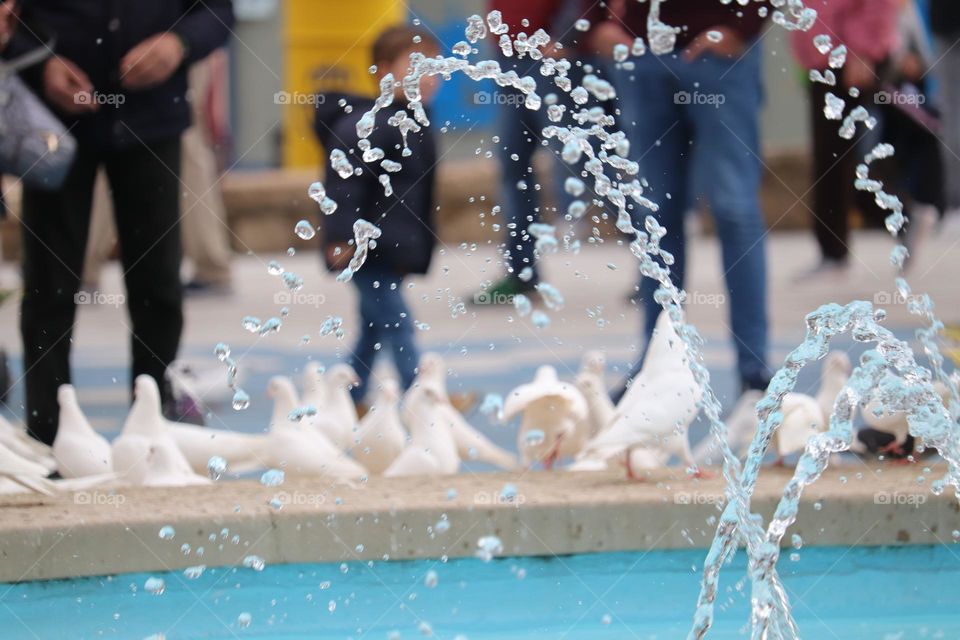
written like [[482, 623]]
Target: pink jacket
[[867, 27]]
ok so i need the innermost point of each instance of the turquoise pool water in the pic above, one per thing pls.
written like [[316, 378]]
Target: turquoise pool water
[[888, 594]]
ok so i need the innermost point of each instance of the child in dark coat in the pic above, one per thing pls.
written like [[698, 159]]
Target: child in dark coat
[[405, 217]]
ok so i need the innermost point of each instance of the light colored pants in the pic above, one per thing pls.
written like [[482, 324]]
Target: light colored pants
[[205, 234], [947, 71]]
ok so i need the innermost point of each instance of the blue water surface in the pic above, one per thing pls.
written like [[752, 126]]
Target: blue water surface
[[843, 593]]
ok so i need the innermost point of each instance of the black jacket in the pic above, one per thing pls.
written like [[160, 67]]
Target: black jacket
[[405, 217], [945, 17], [96, 34]]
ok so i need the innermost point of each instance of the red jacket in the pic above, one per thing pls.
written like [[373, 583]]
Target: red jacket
[[867, 27]]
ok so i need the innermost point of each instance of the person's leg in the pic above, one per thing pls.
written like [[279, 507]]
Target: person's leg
[[656, 126], [369, 339], [727, 144], [520, 137], [398, 329], [54, 230], [832, 181], [948, 76], [146, 202]]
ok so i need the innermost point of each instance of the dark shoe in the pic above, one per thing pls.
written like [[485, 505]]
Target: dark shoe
[[754, 384], [503, 292]]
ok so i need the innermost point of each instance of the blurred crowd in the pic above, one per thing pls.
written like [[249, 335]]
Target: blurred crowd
[[143, 178]]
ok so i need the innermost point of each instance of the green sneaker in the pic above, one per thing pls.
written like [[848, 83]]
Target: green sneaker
[[503, 292]]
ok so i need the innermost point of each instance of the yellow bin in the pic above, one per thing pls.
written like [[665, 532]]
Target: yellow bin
[[327, 49]]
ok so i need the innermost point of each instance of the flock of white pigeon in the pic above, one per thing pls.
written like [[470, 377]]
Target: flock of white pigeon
[[420, 432]]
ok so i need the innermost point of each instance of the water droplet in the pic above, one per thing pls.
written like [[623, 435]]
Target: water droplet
[[304, 230], [488, 547], [167, 533], [244, 620], [216, 467], [155, 586], [194, 572], [272, 478], [431, 579], [241, 400]]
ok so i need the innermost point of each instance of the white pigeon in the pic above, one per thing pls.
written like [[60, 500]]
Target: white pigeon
[[79, 450], [658, 407], [802, 419], [471, 444], [600, 408], [551, 411], [205, 385], [17, 440], [164, 467], [314, 386], [432, 449], [339, 413], [144, 427], [23, 472], [836, 372], [380, 435], [242, 451], [895, 422], [741, 425], [298, 446]]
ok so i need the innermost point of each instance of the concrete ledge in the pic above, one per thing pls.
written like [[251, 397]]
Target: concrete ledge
[[103, 532]]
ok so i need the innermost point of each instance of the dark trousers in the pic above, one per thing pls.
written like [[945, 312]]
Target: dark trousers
[[834, 164], [144, 182]]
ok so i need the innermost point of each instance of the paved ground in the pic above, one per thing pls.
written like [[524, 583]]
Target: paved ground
[[488, 349]]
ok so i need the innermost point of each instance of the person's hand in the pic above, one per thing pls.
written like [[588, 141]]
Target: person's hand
[[606, 35], [67, 87], [8, 21], [338, 255], [151, 62], [859, 73], [729, 45]]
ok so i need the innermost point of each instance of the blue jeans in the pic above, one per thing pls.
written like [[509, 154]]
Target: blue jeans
[[385, 322], [697, 124], [521, 134]]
